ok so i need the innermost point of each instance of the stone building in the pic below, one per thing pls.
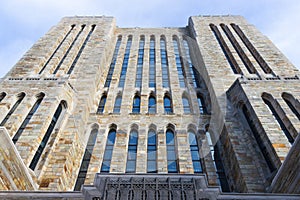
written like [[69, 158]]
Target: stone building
[[206, 111]]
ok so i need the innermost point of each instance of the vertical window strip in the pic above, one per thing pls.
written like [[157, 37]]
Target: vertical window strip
[[139, 68], [201, 105], [265, 67], [152, 63], [286, 97], [108, 151], [125, 63], [152, 152], [171, 152], [46, 137], [28, 118], [178, 63], [248, 64], [132, 152], [136, 107], [194, 149], [2, 96], [152, 105], [69, 49], [86, 160], [193, 71], [58, 47], [164, 63], [230, 58], [117, 106], [81, 50], [279, 120], [258, 139], [12, 110], [102, 104], [113, 63]]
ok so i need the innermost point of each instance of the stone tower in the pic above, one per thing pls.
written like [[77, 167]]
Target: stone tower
[[203, 111]]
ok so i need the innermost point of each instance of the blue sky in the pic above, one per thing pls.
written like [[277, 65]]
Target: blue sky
[[23, 22]]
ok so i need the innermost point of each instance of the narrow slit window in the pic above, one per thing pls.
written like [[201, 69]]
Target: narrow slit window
[[113, 63], [168, 105], [178, 62], [125, 63], [171, 152], [118, 102], [186, 105], [194, 149], [86, 160], [102, 104], [164, 63], [108, 151], [12, 110], [56, 117], [152, 105], [132, 152], [136, 107], [139, 67], [152, 63], [292, 103], [2, 96], [201, 105], [28, 117]]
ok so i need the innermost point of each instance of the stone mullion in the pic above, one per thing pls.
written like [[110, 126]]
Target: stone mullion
[[184, 156], [141, 161], [145, 77], [119, 157], [162, 164]]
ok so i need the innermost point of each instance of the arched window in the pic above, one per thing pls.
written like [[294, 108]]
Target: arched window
[[152, 104], [186, 105], [56, 117], [2, 95], [276, 116], [171, 152], [168, 105], [132, 152], [136, 107], [193, 71], [258, 138], [139, 67], [12, 110], [164, 63], [151, 152], [86, 160], [152, 61], [28, 117], [125, 62], [292, 103], [108, 151], [102, 104], [201, 104], [118, 103], [195, 152], [113, 63], [178, 61]]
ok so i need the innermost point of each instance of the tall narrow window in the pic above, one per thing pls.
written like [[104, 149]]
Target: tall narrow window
[[12, 110], [139, 67], [201, 104], [57, 115], [278, 119], [86, 160], [186, 105], [113, 63], [136, 107], [151, 152], [194, 73], [171, 152], [102, 104], [164, 63], [125, 62], [108, 151], [152, 65], [195, 152], [69, 49], [292, 103], [132, 151], [2, 96], [152, 104], [178, 63], [118, 102], [81, 50], [28, 117], [258, 138], [168, 105]]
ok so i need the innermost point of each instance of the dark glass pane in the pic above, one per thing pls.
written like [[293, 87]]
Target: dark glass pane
[[111, 137], [170, 137], [105, 166], [197, 166]]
